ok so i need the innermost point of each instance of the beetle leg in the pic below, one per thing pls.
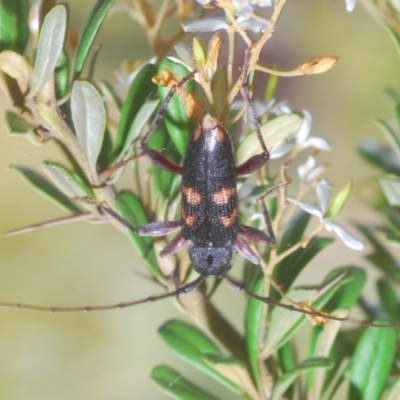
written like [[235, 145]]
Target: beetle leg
[[159, 228], [252, 164], [174, 245], [256, 162], [245, 250], [255, 235]]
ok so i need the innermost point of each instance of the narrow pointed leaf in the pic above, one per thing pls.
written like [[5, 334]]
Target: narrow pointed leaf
[[176, 386], [288, 378], [254, 323], [380, 156], [140, 120], [371, 363], [50, 45], [89, 117], [391, 136], [139, 90], [276, 132], [89, 32], [44, 187]]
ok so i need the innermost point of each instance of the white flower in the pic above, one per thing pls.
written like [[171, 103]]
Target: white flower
[[304, 139], [206, 25], [244, 13], [309, 171], [324, 194], [350, 4]]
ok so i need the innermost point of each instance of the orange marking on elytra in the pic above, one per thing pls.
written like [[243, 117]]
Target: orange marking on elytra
[[228, 221], [223, 196], [192, 197], [189, 220]]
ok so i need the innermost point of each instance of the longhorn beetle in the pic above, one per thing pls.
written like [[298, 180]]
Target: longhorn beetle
[[209, 208]]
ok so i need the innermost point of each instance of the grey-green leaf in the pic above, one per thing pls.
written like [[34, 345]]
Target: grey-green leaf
[[176, 386], [276, 132], [50, 45], [89, 117], [391, 187], [66, 181], [45, 188], [371, 363]]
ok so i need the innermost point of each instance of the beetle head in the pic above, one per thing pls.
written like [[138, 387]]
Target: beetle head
[[211, 261]]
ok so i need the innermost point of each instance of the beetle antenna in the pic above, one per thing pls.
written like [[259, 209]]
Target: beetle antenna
[[152, 299], [239, 286]]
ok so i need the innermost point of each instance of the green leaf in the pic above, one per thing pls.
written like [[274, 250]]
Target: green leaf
[[61, 75], [388, 299], [290, 267], [89, 32], [380, 156], [347, 295], [89, 118], [195, 348], [139, 90], [45, 188], [391, 188], [275, 132], [371, 363], [175, 385], [288, 378], [132, 211], [14, 29], [16, 125], [254, 321], [139, 122], [66, 181], [178, 124], [50, 45]]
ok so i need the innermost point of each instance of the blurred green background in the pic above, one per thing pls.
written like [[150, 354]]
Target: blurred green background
[[109, 355]]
